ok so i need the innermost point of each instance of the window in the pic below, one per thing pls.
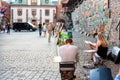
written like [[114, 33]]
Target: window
[[46, 1], [27, 15], [19, 12], [34, 12], [47, 21], [19, 20], [12, 13], [47, 12], [34, 2], [20, 1], [54, 15], [40, 15]]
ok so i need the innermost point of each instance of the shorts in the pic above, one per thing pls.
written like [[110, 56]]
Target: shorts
[[44, 30]]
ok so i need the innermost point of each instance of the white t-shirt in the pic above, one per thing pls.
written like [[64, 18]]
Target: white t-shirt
[[68, 52]]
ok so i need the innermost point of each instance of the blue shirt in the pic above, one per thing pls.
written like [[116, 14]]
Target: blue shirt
[[96, 40]]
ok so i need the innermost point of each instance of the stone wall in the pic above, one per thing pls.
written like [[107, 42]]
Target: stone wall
[[115, 16]]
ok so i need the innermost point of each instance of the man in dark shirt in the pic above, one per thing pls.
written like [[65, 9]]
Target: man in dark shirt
[[8, 27], [40, 28]]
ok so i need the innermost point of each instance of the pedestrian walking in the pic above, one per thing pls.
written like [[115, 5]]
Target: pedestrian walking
[[40, 29], [3, 28], [53, 29], [8, 27], [44, 29], [50, 29]]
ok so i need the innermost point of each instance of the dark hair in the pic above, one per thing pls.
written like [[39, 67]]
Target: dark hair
[[43, 23], [69, 41], [64, 27], [95, 34]]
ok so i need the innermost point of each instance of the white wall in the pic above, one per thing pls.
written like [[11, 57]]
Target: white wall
[[29, 2], [37, 17], [0, 3]]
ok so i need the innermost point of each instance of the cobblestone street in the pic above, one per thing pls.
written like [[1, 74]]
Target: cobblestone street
[[26, 56]]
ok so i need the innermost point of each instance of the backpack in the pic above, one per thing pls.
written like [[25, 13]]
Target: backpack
[[114, 55]]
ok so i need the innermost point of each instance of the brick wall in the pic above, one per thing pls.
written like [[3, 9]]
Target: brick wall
[[115, 15]]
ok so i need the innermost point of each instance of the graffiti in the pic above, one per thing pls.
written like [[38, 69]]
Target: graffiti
[[90, 14]]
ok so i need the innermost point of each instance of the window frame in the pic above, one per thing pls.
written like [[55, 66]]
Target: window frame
[[47, 12], [46, 1], [34, 12], [19, 12]]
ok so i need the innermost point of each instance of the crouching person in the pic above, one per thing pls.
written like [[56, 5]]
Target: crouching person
[[69, 54], [101, 48]]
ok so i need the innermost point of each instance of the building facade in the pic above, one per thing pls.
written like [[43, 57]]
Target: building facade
[[34, 11]]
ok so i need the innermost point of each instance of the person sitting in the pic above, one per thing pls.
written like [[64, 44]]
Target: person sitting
[[93, 45], [101, 48], [68, 54]]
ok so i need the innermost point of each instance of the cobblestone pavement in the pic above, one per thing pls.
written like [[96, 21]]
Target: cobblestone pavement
[[26, 56]]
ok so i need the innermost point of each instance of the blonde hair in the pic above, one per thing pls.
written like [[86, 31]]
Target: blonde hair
[[104, 42], [119, 72]]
